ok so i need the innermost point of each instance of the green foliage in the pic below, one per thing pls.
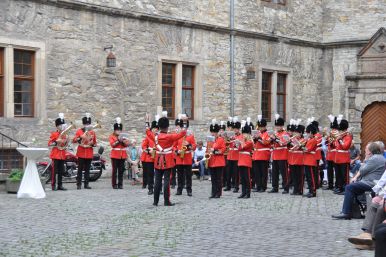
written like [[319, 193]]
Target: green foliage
[[16, 175]]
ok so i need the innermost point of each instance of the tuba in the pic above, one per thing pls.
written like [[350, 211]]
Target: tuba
[[86, 141], [64, 136]]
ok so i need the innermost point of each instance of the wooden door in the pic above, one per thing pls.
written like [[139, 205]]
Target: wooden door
[[373, 124]]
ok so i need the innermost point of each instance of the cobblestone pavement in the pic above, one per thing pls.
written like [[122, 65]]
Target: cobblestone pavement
[[107, 222]]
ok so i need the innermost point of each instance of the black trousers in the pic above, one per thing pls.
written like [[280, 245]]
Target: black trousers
[[380, 240], [342, 175], [260, 172], [297, 174], [83, 165], [330, 174], [216, 179], [159, 174], [184, 173], [148, 174], [57, 171], [310, 173], [173, 179], [118, 166], [316, 176], [245, 178], [280, 167], [233, 178]]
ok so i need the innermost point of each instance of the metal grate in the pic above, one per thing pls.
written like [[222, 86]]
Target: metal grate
[[10, 158]]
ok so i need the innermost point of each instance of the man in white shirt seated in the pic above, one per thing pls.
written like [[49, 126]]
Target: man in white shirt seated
[[198, 157]]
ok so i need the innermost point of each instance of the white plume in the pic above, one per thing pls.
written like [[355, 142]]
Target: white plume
[[179, 116], [61, 115], [248, 120], [339, 119], [312, 119], [164, 113], [88, 115], [214, 122], [118, 120], [259, 117], [243, 122], [230, 119], [298, 122], [222, 123], [331, 118], [292, 122], [235, 119], [277, 116], [156, 118]]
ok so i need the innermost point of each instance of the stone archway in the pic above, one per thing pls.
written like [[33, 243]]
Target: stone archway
[[373, 124]]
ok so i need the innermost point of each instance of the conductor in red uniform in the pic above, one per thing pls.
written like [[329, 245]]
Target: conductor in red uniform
[[58, 142], [118, 154], [164, 160], [216, 162], [86, 139]]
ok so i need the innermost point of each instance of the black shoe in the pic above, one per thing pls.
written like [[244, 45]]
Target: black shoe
[[189, 193], [310, 195], [115, 187], [62, 188], [212, 196], [340, 193], [242, 195], [227, 189], [327, 188], [262, 191], [169, 204], [273, 191], [173, 186], [285, 192], [78, 187], [179, 193], [155, 204], [120, 187], [150, 192], [294, 193], [217, 196], [256, 190], [236, 190], [87, 187], [143, 186], [248, 195], [342, 216]]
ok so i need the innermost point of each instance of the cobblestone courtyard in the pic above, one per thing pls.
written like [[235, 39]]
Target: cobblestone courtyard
[[107, 222]]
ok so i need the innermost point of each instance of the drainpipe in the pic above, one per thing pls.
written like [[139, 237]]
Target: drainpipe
[[232, 57]]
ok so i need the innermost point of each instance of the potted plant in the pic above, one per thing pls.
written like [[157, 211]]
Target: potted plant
[[13, 181]]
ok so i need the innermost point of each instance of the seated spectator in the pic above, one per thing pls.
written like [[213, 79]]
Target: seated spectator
[[371, 170], [198, 161], [355, 156], [133, 160], [375, 215], [380, 240]]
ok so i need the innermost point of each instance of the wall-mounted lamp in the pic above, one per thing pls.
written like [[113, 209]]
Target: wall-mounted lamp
[[111, 60]]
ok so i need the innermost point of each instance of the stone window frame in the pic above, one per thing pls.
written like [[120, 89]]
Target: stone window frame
[[275, 71], [270, 4], [198, 87], [39, 102]]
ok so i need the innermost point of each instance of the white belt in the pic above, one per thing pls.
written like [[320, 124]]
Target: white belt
[[233, 149], [279, 148], [245, 153], [319, 148], [167, 152], [296, 151], [333, 150], [86, 146], [263, 149], [342, 151], [119, 149], [311, 152], [188, 151]]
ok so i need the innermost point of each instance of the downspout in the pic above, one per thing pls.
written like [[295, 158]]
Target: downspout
[[232, 57]]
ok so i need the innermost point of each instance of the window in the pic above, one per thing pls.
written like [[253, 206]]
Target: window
[[281, 94], [23, 91], [251, 74], [168, 88], [282, 2], [1, 82], [266, 91], [188, 90]]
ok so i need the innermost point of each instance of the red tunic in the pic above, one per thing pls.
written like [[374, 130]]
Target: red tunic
[[319, 140], [147, 149], [295, 156], [188, 156], [217, 160], [245, 154], [309, 152], [342, 146], [85, 147], [118, 150], [280, 151], [233, 154], [58, 151], [262, 151], [164, 158], [330, 149]]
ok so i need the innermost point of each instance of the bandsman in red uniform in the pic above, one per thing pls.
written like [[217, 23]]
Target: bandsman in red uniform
[[261, 155], [58, 141], [310, 160], [245, 147], [319, 173], [233, 158], [227, 170], [330, 156], [164, 161], [184, 148], [216, 161], [147, 158], [86, 138], [221, 133], [279, 156], [296, 158], [118, 154], [342, 145]]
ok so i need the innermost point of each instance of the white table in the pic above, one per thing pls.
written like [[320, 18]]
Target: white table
[[30, 186]]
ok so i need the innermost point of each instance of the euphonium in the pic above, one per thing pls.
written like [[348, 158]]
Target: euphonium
[[87, 129], [66, 130]]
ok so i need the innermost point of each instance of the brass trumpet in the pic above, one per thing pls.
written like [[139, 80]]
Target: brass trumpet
[[207, 157], [153, 151], [67, 130], [182, 152]]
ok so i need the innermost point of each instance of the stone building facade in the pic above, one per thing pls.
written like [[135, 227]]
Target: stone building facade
[[304, 51]]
